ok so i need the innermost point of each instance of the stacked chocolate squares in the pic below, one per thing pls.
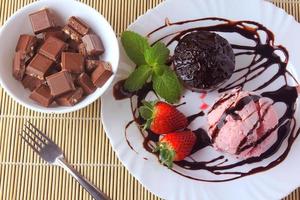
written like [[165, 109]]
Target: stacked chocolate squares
[[60, 65]]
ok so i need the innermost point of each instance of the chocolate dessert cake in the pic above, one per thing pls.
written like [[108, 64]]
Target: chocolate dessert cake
[[203, 60]]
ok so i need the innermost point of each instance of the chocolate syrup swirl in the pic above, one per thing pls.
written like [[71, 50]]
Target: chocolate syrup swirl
[[265, 56]]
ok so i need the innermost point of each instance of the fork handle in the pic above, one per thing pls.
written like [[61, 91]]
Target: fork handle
[[94, 192]]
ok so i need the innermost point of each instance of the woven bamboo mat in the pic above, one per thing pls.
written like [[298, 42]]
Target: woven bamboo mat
[[24, 176]]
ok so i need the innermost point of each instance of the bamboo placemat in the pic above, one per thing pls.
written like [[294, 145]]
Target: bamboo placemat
[[80, 134]]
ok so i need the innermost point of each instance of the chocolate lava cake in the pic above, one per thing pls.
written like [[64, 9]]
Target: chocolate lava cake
[[203, 60]]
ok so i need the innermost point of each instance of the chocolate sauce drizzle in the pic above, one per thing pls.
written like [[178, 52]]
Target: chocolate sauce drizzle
[[264, 56]]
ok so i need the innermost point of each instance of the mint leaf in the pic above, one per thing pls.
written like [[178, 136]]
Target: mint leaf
[[167, 86], [135, 46], [159, 69], [157, 55], [138, 78]]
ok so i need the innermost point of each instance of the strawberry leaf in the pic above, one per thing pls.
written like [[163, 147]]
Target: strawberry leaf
[[166, 154], [145, 112], [138, 78], [135, 46], [147, 124]]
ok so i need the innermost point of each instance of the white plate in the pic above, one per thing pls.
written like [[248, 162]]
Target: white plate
[[274, 183]]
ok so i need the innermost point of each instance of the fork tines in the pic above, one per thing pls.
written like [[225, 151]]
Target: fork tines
[[34, 137]]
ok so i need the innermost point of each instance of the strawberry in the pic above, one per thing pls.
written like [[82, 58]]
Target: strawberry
[[175, 147], [162, 117]]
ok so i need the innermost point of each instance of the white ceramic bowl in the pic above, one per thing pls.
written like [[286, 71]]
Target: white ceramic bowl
[[19, 23]]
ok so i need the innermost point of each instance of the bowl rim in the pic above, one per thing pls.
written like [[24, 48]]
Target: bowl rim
[[61, 109]]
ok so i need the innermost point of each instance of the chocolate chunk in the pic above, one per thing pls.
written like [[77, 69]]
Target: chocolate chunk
[[91, 65], [39, 66], [27, 44], [42, 95], [41, 21], [82, 50], [70, 98], [78, 25], [101, 74], [31, 83], [73, 46], [60, 83], [72, 33], [86, 83], [57, 33], [52, 48], [93, 44], [39, 43], [72, 62], [74, 78], [19, 65]]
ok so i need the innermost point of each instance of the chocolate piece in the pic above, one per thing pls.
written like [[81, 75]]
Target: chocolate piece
[[41, 21], [42, 95], [73, 46], [82, 50], [72, 33], [93, 44], [57, 33], [86, 83], [101, 74], [53, 70], [31, 83], [70, 98], [72, 62], [74, 78], [39, 43], [19, 65], [90, 65], [60, 83], [52, 48], [27, 44], [78, 25], [39, 66]]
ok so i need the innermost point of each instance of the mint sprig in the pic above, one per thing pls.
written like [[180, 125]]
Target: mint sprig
[[138, 78], [167, 86], [135, 46], [150, 61]]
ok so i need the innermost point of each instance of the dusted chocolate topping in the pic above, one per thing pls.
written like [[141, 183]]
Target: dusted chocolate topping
[[203, 60]]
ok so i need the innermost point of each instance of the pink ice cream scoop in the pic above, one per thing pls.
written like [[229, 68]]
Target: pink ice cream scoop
[[243, 124]]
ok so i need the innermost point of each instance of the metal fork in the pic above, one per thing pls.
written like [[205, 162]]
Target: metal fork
[[52, 154]]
